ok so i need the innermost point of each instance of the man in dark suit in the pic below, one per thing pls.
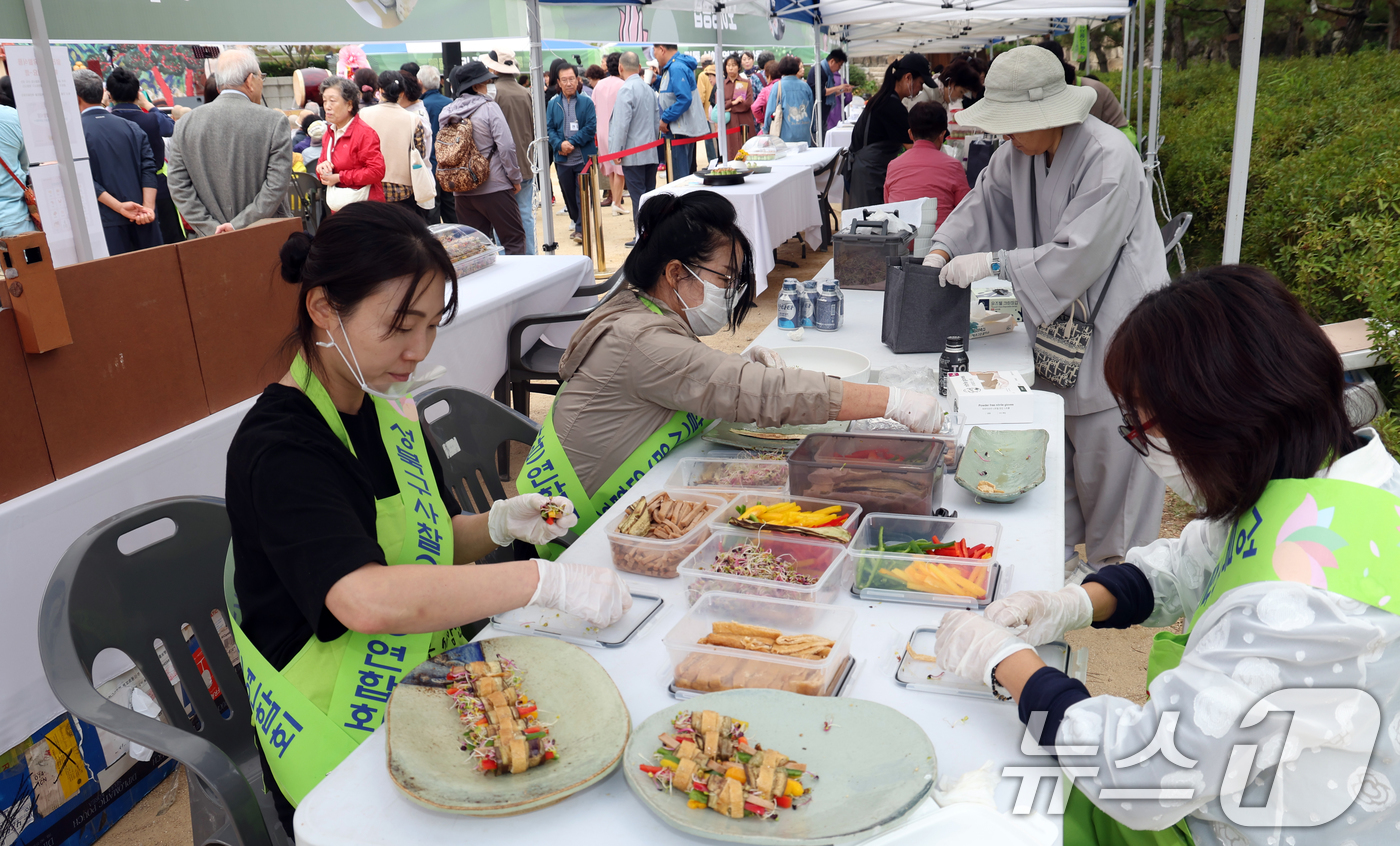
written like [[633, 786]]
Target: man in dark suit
[[128, 102], [123, 171]]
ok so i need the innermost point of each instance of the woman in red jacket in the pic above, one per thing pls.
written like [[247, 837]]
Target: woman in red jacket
[[350, 156]]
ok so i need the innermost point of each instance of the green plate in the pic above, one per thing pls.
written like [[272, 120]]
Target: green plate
[[874, 766], [1012, 460], [723, 432], [424, 735]]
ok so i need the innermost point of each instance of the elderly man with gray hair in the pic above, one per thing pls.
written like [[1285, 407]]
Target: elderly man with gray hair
[[635, 118], [230, 161]]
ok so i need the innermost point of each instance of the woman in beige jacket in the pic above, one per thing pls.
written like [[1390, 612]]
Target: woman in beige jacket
[[638, 380], [400, 133]]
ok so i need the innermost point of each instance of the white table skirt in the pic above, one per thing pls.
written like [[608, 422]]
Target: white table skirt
[[839, 135], [817, 158], [358, 804], [38, 527], [771, 207]]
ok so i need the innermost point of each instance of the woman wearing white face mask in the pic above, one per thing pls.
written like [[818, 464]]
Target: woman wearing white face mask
[[328, 482], [1235, 397], [638, 380]]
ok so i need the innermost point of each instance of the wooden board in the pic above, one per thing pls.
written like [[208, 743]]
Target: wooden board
[[240, 308], [26, 465], [131, 373]]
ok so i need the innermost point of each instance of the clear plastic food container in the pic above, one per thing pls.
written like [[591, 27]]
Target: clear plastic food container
[[705, 667], [730, 474], [826, 562], [885, 472], [655, 556], [469, 249], [936, 578], [745, 501]]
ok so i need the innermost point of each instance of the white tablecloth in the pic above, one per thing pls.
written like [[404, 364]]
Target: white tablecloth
[[358, 804], [864, 317], [817, 158], [772, 207], [839, 135], [37, 528]]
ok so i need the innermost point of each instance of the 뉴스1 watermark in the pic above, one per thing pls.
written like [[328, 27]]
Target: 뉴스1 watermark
[[1310, 707]]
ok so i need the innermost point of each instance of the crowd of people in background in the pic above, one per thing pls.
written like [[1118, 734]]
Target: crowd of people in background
[[199, 172]]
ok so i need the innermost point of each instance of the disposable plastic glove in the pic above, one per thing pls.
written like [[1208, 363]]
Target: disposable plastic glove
[[764, 356], [522, 518], [920, 412], [972, 646], [597, 594], [1043, 616], [964, 270], [935, 260]]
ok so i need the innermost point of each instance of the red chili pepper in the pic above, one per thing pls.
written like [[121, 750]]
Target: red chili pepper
[[835, 521], [549, 756], [784, 801], [648, 769], [756, 809], [488, 764], [526, 710]]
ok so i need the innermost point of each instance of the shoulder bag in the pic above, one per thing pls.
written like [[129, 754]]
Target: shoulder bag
[[1060, 345], [775, 126], [29, 199]]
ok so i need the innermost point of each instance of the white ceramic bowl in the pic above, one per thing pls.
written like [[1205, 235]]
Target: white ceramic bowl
[[833, 361]]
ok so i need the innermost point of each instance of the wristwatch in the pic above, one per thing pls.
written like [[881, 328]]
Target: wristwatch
[[999, 269], [996, 265]]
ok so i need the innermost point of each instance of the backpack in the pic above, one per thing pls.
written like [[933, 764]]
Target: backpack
[[461, 166]]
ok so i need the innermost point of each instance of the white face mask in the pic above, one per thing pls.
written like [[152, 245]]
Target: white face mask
[[491, 90], [422, 374], [713, 312], [1164, 465]]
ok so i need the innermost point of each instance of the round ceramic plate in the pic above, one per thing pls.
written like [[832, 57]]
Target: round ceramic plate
[[424, 736], [1013, 460], [873, 766]]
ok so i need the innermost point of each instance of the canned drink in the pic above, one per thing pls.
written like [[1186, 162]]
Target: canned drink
[[827, 314], [788, 314], [841, 301], [809, 290]]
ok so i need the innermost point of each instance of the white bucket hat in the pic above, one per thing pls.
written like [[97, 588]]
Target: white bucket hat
[[1026, 91]]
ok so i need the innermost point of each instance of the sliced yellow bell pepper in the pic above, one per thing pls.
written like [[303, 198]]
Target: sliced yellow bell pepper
[[794, 788], [736, 773]]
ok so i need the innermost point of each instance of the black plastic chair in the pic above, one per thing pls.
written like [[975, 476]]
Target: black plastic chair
[[465, 433], [536, 370], [823, 199], [101, 597], [307, 199]]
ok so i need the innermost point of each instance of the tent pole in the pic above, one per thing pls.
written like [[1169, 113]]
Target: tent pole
[[53, 104], [1125, 94], [539, 150], [819, 119], [722, 140], [1159, 19], [1142, 51], [1244, 130]]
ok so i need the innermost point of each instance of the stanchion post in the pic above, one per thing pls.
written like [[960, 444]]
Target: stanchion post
[[597, 209], [670, 165], [585, 213]]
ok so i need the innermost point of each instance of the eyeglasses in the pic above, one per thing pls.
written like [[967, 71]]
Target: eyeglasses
[[1135, 433], [728, 278]]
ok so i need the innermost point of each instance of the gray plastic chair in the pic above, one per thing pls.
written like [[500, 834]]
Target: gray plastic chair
[[466, 437], [825, 176], [100, 597], [1175, 230]]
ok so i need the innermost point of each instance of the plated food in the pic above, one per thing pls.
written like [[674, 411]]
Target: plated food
[[708, 759], [503, 733]]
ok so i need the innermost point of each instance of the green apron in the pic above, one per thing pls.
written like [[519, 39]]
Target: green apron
[[331, 696], [547, 469], [1320, 532]]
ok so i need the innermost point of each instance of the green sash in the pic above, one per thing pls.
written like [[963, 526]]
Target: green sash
[[1325, 533], [547, 469], [338, 691]]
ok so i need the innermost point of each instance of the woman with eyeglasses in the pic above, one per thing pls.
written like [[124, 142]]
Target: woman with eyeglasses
[[1234, 397], [638, 381]]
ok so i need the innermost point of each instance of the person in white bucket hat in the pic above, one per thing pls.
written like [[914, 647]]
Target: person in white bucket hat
[[1061, 209]]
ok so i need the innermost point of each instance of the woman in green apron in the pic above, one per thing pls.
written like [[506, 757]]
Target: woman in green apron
[[343, 526], [1234, 396], [638, 381]]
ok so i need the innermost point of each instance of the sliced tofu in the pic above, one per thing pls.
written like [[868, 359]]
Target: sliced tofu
[[685, 771], [709, 721], [687, 749], [519, 755], [712, 743], [764, 782], [734, 799]]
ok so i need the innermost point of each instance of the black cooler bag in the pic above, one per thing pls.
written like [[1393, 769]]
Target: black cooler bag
[[920, 314]]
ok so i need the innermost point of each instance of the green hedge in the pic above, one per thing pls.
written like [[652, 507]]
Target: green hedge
[[1323, 208]]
